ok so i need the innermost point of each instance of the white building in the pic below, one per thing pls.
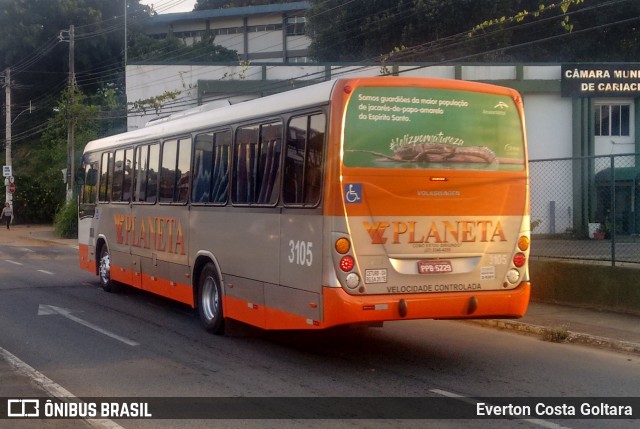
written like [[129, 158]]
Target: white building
[[273, 32]]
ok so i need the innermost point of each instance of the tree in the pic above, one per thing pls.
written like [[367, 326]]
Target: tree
[[175, 50], [447, 30], [220, 4], [38, 166]]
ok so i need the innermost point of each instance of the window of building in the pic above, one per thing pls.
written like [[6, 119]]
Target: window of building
[[298, 59], [612, 120], [264, 27], [303, 161], [296, 25]]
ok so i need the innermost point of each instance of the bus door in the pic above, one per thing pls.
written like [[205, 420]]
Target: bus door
[[117, 216], [163, 219], [302, 221], [88, 180]]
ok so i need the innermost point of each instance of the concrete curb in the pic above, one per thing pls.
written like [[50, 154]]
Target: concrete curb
[[571, 337], [36, 236]]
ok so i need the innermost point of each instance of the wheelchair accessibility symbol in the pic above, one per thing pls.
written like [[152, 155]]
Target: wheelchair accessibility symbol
[[353, 193]]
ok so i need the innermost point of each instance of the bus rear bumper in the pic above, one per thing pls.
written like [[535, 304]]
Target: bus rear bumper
[[341, 308]]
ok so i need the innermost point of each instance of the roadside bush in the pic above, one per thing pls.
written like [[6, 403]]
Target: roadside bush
[[66, 221], [37, 199]]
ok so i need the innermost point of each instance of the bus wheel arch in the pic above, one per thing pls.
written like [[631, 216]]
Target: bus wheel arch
[[208, 295]]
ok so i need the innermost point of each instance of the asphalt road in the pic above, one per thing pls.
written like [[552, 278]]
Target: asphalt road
[[58, 320]]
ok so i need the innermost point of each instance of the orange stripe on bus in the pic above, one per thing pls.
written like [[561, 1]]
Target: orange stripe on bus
[[86, 263], [173, 290], [341, 308]]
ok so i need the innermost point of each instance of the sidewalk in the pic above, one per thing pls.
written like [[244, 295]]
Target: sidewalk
[[20, 235], [561, 323]]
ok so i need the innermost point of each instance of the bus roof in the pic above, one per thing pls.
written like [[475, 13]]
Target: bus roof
[[290, 100]]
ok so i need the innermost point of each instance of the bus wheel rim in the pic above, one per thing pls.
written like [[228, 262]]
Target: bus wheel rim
[[105, 268], [210, 299]]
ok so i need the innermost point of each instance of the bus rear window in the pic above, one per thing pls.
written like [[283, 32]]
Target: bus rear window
[[427, 128]]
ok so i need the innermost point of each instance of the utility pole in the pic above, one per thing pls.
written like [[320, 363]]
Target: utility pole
[[7, 94], [70, 119]]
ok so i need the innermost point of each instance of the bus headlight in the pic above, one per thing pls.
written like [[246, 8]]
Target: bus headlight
[[513, 276], [353, 280]]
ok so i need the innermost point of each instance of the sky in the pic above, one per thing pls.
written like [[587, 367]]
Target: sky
[[170, 6]]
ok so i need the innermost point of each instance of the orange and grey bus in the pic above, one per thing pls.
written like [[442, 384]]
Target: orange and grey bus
[[353, 201]]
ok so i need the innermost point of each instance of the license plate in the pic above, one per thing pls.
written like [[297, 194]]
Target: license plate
[[434, 267]]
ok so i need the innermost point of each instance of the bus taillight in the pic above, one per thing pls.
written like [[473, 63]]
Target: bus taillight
[[347, 263], [519, 259]]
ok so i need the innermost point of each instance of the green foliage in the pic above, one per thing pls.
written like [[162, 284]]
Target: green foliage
[[220, 4], [555, 334], [40, 188], [474, 30], [519, 16], [66, 221], [38, 197], [145, 48]]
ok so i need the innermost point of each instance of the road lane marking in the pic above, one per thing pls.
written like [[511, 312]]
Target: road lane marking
[[13, 262], [47, 310], [537, 422], [52, 388], [46, 272]]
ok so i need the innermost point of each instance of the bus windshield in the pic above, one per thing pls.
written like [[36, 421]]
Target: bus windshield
[[432, 128]]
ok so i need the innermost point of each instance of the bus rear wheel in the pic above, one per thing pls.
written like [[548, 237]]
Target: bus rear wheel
[[210, 300]]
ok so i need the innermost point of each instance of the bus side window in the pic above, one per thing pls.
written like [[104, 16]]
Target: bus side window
[[121, 185], [257, 162], [168, 170], [152, 173], [145, 181], [211, 168], [175, 171], [105, 182], [220, 176], [303, 161], [269, 163], [140, 173], [202, 166], [128, 174], [246, 142]]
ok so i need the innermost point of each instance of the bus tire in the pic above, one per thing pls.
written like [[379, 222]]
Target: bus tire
[[104, 270], [210, 300]]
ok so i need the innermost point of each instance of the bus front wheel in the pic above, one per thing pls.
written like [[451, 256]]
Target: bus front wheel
[[210, 300], [104, 270]]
